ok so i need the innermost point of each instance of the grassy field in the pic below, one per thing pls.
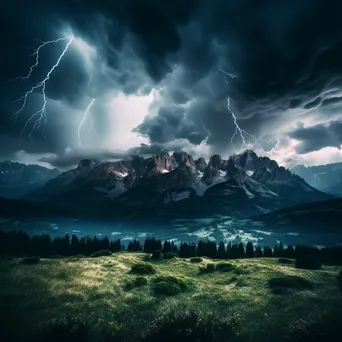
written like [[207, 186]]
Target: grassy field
[[100, 299]]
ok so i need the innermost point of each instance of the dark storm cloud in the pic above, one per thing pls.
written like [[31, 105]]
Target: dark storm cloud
[[314, 103], [285, 54], [169, 123], [317, 137], [71, 157]]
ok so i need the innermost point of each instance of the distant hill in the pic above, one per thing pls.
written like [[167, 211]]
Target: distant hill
[[17, 179], [323, 216], [327, 178]]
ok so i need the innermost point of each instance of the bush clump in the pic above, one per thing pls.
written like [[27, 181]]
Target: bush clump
[[210, 268], [143, 268], [31, 260], [140, 281], [78, 256], [56, 256], [168, 285], [196, 259], [282, 283], [169, 255], [224, 267], [128, 286], [309, 262], [285, 261], [157, 255], [103, 252]]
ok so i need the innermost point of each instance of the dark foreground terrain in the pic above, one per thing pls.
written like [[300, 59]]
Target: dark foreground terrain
[[121, 298]]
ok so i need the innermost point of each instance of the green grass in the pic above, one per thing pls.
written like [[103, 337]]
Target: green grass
[[95, 290]]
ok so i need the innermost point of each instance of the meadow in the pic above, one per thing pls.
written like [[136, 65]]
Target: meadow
[[131, 297]]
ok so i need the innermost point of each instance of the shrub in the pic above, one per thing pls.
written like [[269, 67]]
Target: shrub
[[309, 262], [282, 283], [191, 326], [129, 286], [169, 255], [157, 255], [224, 267], [168, 285], [208, 269], [196, 259], [31, 260], [103, 252], [140, 281], [285, 261], [167, 288], [240, 270], [143, 268], [56, 256]]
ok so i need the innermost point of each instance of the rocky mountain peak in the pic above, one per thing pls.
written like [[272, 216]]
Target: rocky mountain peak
[[246, 160], [87, 163], [215, 162], [201, 164]]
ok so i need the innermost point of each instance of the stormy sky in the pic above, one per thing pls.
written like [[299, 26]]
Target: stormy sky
[[154, 72]]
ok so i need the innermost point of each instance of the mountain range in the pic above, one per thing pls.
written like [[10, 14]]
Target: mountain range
[[166, 187], [327, 178], [17, 179]]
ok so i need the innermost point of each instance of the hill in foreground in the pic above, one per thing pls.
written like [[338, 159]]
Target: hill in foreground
[[102, 299]]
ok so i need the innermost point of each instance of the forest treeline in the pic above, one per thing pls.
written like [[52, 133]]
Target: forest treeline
[[20, 244]]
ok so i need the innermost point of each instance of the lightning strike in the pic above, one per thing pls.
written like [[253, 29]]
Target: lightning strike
[[37, 56], [227, 74], [39, 116], [83, 121], [238, 130], [206, 129]]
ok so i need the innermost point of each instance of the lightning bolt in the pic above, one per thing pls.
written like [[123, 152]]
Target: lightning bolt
[[227, 74], [83, 121], [206, 129], [36, 55], [238, 130], [41, 115]]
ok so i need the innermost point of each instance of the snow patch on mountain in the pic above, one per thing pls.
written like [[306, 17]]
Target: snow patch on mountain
[[180, 196]]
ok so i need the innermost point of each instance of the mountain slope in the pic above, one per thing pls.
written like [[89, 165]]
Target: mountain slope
[[320, 216], [327, 178], [17, 179]]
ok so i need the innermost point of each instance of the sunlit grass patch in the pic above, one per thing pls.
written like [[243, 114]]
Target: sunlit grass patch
[[55, 288]]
